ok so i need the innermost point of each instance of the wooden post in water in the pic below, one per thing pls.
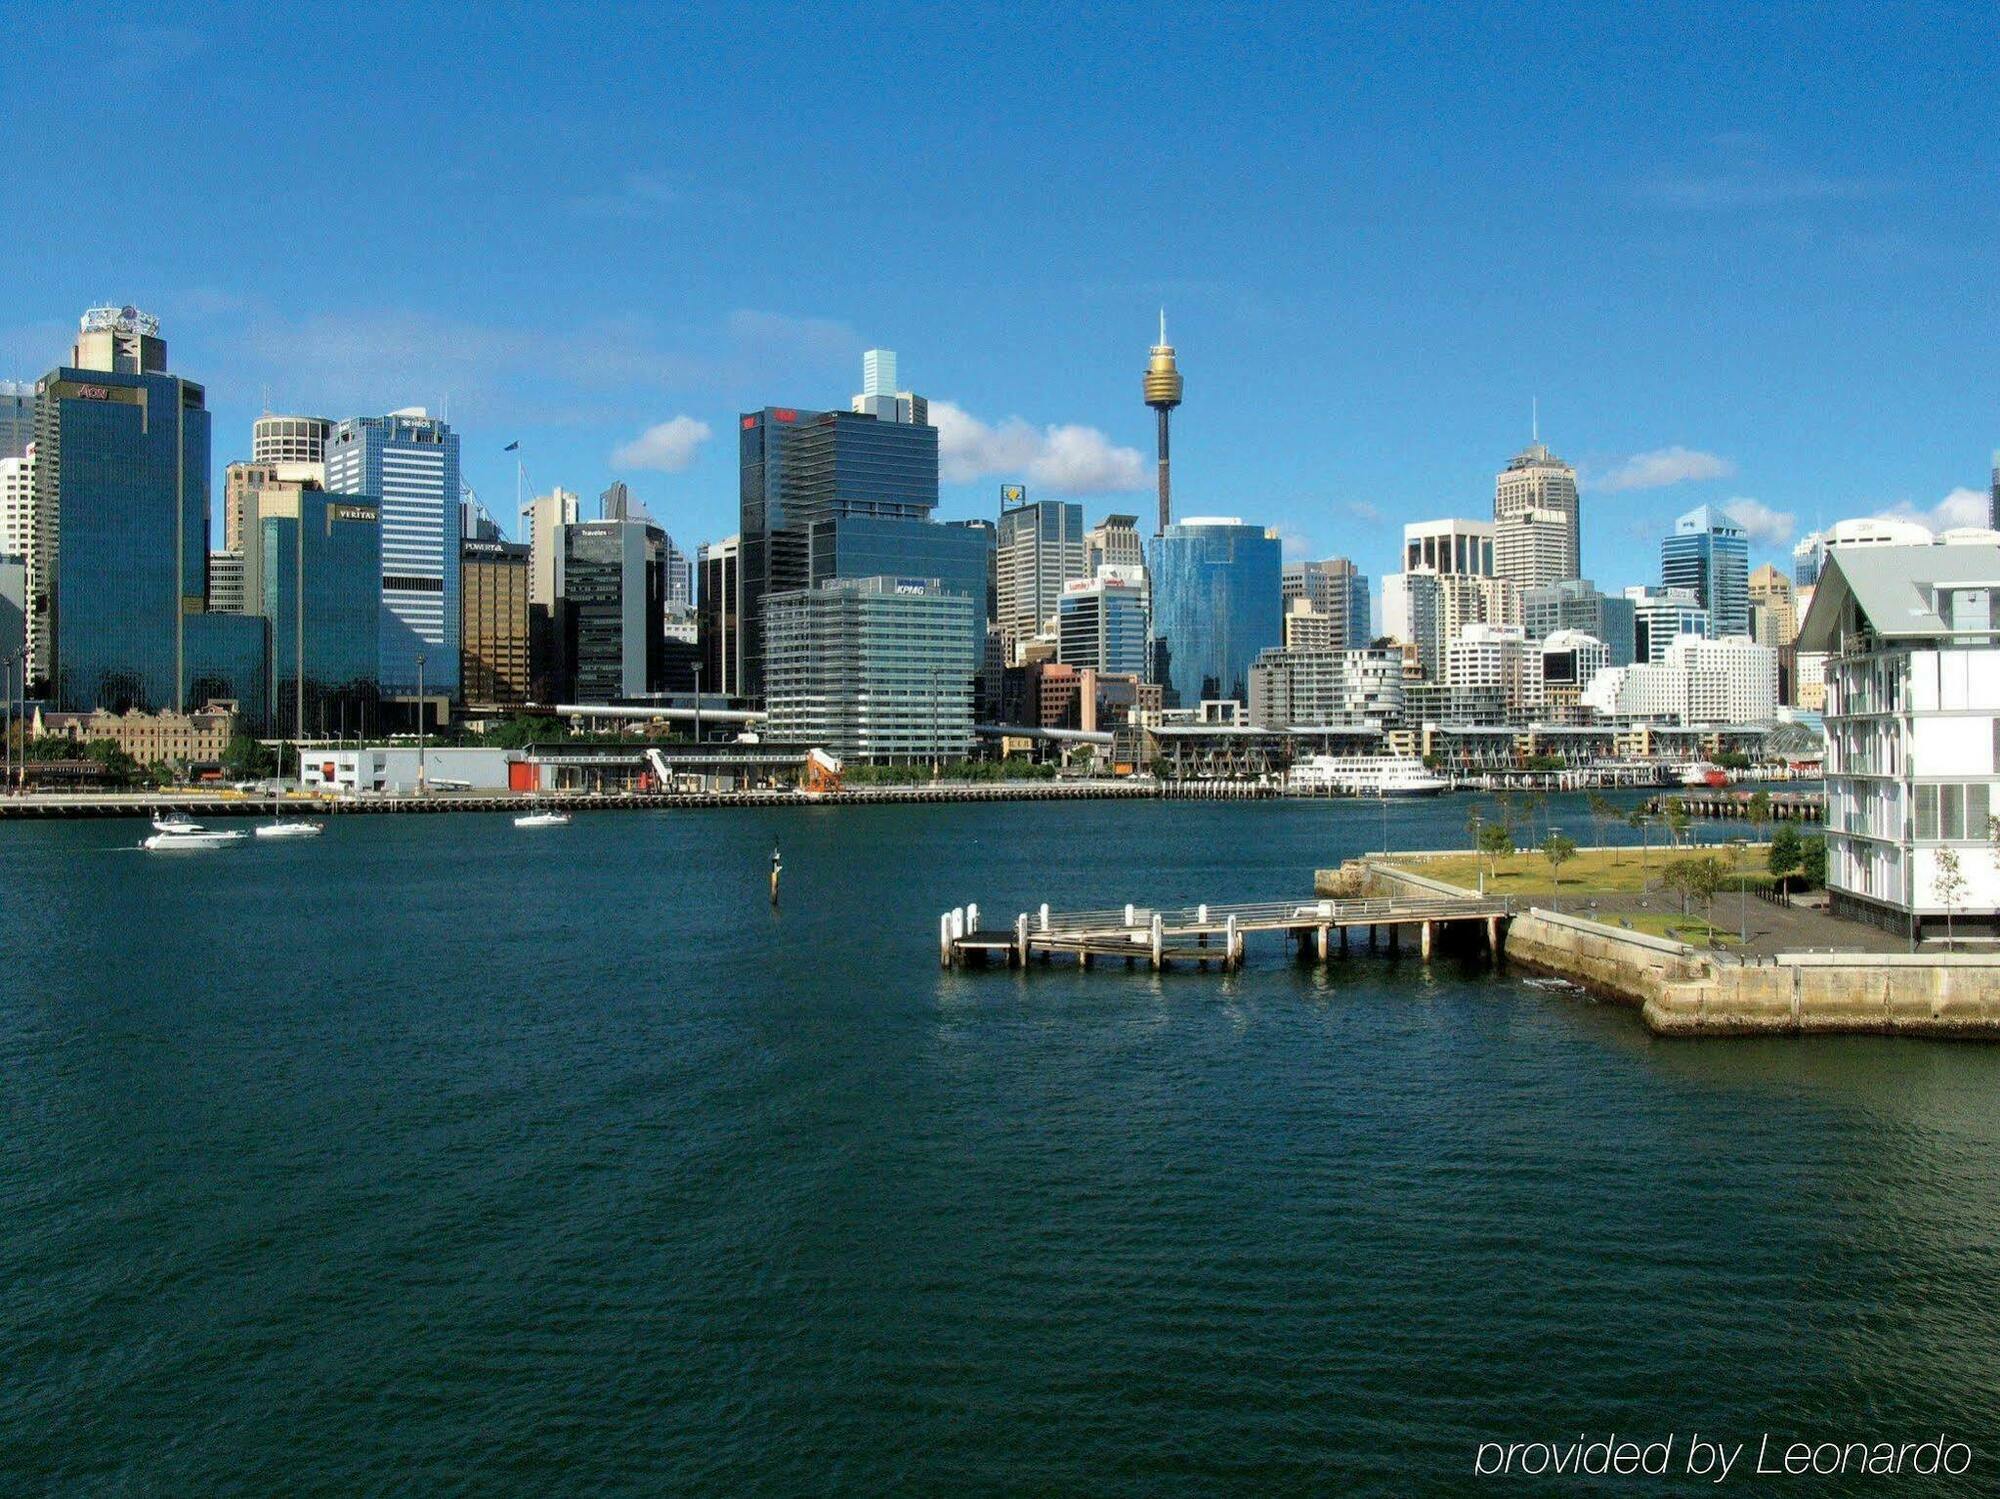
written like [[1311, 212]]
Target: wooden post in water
[[1234, 941], [944, 939], [1493, 938], [1158, 943], [1021, 940], [1424, 940], [1322, 942]]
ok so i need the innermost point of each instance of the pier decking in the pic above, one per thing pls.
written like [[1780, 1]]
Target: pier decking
[[1207, 934], [1786, 806]]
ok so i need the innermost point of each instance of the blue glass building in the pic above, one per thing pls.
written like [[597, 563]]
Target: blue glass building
[[1709, 554], [1217, 585], [406, 463], [118, 603], [320, 569]]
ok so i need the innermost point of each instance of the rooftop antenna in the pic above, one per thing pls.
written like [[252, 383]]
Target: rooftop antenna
[[1163, 325]]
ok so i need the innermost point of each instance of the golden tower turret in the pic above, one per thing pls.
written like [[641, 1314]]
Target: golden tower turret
[[1163, 394]]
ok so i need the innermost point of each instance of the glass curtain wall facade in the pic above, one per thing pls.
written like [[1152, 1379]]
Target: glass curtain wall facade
[[1103, 627], [321, 559], [493, 590], [1709, 555], [1216, 587], [874, 669], [118, 584], [614, 576], [407, 464]]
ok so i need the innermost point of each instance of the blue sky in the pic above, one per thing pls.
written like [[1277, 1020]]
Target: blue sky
[[1750, 251]]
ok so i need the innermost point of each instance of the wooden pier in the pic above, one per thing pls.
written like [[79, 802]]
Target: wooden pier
[[1786, 806], [1212, 934]]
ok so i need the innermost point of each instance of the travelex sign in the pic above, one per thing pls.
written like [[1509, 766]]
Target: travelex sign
[[1718, 1459]]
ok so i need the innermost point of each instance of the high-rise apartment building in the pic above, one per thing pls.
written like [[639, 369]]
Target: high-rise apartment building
[[1216, 586], [1487, 662], [1325, 689], [407, 464], [1102, 623], [319, 577], [1447, 583], [1040, 550], [720, 616], [289, 439], [495, 664], [873, 669], [1549, 548], [117, 576], [1337, 589], [1709, 555]]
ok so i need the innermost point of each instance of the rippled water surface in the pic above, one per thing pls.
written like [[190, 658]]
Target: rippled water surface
[[438, 1154]]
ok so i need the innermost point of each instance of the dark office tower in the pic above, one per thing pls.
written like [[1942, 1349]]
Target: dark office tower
[[118, 574], [773, 550], [1163, 394], [719, 616], [613, 596], [319, 567]]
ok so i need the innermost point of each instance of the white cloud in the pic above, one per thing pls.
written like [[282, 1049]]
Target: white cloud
[[668, 446], [1069, 459], [1760, 522], [1962, 507], [1664, 466]]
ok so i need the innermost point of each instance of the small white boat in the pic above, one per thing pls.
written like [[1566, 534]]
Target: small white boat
[[190, 837], [175, 822], [542, 820], [299, 829]]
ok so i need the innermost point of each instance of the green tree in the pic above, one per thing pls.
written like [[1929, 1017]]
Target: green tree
[[1948, 882], [1496, 841], [1639, 819], [1812, 863], [1787, 847], [246, 760], [1757, 811], [1558, 850]]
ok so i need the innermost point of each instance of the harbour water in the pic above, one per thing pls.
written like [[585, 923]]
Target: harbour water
[[435, 1154]]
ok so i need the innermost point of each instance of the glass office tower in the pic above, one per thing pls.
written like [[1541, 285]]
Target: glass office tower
[[1709, 554], [118, 587], [1217, 586], [406, 463], [611, 610], [320, 566]]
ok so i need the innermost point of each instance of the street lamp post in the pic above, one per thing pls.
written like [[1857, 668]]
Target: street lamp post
[[934, 736], [423, 782], [697, 726], [7, 685]]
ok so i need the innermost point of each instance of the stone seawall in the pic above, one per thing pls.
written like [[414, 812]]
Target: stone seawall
[[1682, 991]]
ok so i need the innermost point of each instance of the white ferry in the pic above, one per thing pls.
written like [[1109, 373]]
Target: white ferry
[[1363, 775]]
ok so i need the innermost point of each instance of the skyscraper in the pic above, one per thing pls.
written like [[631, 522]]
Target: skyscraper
[[1574, 604], [720, 614], [1216, 604], [611, 608], [1163, 394], [495, 665], [1536, 480], [843, 494], [407, 463], [319, 571], [1773, 611], [879, 397], [118, 570], [1040, 549], [1113, 542], [17, 503], [1709, 555]]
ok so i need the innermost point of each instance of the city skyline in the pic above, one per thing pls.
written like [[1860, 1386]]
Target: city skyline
[[1671, 306]]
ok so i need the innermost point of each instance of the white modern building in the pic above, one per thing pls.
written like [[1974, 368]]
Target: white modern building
[[1912, 641], [1732, 681], [1320, 689], [1487, 660], [17, 503]]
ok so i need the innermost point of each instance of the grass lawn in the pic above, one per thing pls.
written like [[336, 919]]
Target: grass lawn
[[1592, 872], [1685, 928]]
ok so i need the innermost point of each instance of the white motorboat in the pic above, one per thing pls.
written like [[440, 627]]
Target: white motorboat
[[542, 820], [191, 836], [1364, 775], [297, 829], [175, 822]]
